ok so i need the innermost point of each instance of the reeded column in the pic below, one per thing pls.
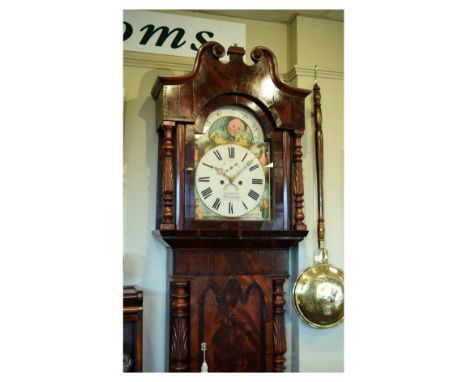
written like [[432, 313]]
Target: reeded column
[[179, 339], [168, 176], [279, 332], [298, 182]]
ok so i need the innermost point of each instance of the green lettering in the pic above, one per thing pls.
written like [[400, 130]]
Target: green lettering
[[128, 31], [201, 39], [164, 34]]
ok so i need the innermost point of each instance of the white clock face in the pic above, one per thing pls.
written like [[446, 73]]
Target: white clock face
[[230, 180]]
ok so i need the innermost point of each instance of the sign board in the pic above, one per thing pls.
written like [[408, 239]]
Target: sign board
[[164, 33]]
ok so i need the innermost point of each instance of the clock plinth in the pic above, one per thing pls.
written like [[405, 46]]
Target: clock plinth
[[230, 207]]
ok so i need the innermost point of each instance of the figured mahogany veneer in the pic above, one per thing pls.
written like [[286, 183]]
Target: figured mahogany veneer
[[227, 276]]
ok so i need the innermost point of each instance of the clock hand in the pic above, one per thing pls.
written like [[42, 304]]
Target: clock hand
[[218, 170], [221, 172], [231, 179]]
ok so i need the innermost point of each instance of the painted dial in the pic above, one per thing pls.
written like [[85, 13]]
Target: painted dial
[[236, 127], [230, 180]]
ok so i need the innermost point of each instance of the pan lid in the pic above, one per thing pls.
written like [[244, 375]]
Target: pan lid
[[318, 296]]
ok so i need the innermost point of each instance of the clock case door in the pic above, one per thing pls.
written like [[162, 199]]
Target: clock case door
[[278, 188], [226, 277]]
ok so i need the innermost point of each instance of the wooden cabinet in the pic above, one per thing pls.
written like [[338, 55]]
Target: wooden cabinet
[[132, 329], [234, 301]]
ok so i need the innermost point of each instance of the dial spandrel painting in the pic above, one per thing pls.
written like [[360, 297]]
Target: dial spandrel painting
[[232, 159]]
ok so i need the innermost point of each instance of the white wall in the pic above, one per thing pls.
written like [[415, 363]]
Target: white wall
[[144, 259], [322, 349], [298, 47], [320, 43]]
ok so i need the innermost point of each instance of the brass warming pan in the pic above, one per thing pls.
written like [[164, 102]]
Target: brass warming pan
[[318, 294]]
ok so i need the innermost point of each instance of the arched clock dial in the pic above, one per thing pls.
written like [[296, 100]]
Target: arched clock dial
[[230, 180]]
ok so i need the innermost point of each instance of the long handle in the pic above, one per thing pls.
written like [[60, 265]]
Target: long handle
[[319, 163]]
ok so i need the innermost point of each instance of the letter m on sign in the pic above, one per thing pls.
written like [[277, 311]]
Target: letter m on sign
[[150, 30]]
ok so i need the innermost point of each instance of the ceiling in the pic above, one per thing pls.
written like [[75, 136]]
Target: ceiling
[[278, 15]]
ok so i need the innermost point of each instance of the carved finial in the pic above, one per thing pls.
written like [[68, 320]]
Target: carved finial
[[257, 53], [236, 50], [217, 49]]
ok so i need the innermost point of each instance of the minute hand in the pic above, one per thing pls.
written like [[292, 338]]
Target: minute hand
[[242, 170]]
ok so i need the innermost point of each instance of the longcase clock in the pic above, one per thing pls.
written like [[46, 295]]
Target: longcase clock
[[230, 207]]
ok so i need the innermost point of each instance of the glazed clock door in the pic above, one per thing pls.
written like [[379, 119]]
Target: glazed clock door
[[232, 179]]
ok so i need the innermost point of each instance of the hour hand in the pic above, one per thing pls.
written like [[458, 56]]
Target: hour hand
[[218, 170], [232, 178], [221, 172]]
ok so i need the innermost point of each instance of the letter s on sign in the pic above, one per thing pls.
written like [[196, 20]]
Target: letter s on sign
[[201, 39]]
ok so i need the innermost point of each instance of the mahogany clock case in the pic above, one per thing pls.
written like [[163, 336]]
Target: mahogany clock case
[[226, 276]]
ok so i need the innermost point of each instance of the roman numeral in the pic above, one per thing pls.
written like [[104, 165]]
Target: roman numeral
[[207, 165], [254, 167], [244, 157], [231, 209], [216, 204], [231, 152], [204, 179], [253, 195], [218, 155], [245, 206], [257, 181], [206, 193]]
